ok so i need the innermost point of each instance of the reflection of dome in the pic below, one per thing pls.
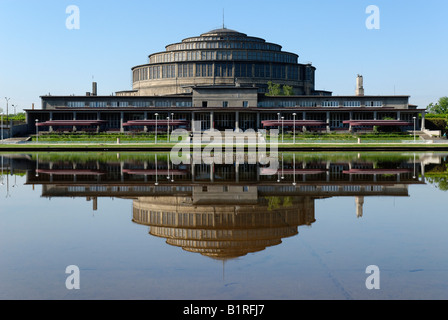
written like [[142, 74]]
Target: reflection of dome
[[224, 231]]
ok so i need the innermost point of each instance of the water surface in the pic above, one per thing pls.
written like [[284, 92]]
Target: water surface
[[140, 227]]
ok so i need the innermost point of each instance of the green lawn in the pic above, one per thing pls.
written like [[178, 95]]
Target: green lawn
[[162, 138]]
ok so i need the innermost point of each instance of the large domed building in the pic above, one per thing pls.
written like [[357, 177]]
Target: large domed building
[[222, 79], [221, 57]]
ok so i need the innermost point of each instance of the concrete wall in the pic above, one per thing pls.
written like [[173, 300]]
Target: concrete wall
[[233, 96], [14, 130]]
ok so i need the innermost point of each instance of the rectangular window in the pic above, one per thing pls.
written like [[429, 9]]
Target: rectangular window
[[374, 103], [183, 104], [245, 104], [293, 72], [225, 104], [169, 71], [223, 70], [141, 104], [76, 104], [204, 70], [352, 103], [154, 72], [307, 103], [330, 103], [286, 104], [98, 104], [204, 104]]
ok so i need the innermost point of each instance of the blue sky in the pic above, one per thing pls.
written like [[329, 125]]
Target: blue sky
[[39, 55]]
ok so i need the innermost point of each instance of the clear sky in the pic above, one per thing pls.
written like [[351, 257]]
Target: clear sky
[[40, 55]]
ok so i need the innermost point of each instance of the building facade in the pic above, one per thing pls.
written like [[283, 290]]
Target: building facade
[[221, 79]]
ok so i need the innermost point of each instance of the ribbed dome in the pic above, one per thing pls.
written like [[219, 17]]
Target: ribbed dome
[[222, 31]]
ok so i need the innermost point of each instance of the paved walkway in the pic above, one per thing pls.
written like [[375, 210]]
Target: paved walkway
[[14, 140], [427, 137]]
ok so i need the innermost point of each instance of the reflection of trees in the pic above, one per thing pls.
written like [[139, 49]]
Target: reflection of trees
[[440, 181], [438, 176], [276, 202]]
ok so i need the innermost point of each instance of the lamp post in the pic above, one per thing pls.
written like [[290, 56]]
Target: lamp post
[[156, 125], [278, 121], [294, 129], [414, 128], [172, 119], [282, 128], [37, 131], [168, 130]]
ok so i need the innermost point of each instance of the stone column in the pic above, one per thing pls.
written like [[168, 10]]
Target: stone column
[[121, 121], [304, 118], [51, 118], [237, 118], [422, 127], [350, 118], [98, 117], [192, 123], [74, 118], [145, 117], [212, 124], [328, 122]]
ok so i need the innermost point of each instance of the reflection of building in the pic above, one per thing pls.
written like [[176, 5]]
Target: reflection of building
[[220, 79], [222, 211], [228, 229]]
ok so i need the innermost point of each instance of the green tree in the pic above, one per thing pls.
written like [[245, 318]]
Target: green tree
[[274, 89], [441, 107], [21, 116], [287, 90]]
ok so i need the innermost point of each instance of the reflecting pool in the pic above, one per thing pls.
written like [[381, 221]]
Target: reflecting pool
[[138, 226]]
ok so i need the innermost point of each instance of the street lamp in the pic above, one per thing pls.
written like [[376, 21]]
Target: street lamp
[[172, 118], [168, 130], [278, 120], [282, 128], [294, 129], [37, 131], [414, 128], [156, 125]]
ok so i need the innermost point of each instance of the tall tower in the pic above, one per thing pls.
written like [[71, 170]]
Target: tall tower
[[359, 86]]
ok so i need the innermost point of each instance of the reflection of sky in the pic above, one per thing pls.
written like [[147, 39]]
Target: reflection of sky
[[404, 236]]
